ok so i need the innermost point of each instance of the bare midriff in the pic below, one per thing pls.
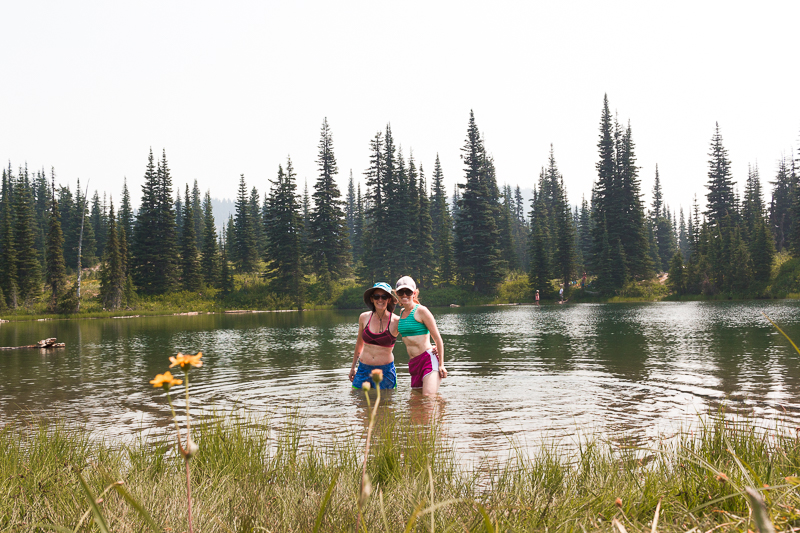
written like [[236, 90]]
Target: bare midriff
[[376, 355], [417, 344]]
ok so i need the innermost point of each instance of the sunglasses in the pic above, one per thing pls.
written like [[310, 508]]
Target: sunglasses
[[405, 292], [381, 296]]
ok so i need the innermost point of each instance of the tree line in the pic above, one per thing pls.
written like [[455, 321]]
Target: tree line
[[399, 224]]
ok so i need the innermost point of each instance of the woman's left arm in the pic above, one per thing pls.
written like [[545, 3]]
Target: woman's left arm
[[430, 323]]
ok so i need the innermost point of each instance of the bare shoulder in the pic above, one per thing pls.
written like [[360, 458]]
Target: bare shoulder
[[424, 311], [362, 319]]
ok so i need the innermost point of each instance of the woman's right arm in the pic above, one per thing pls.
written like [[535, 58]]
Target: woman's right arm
[[359, 348]]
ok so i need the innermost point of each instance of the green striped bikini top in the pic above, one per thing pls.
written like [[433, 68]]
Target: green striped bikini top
[[408, 327]]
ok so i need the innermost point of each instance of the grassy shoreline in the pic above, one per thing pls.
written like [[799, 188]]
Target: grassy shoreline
[[250, 476]]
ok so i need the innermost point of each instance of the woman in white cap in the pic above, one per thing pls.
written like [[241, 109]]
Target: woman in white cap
[[417, 325], [377, 332]]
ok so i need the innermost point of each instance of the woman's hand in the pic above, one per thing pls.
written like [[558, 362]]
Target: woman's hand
[[442, 371], [352, 373]]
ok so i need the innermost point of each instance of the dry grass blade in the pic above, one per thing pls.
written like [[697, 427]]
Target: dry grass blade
[[654, 529], [782, 332], [760, 513], [616, 523]]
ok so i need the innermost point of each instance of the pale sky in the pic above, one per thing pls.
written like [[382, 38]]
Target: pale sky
[[235, 87]]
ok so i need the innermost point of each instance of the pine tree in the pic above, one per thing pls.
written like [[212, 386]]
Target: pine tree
[[350, 215], [358, 228], [585, 232], [375, 259], [285, 266], [28, 267], [676, 280], [226, 276], [478, 256], [519, 229], [112, 277], [508, 251], [210, 261], [56, 277], [178, 212], [244, 247], [97, 219], [329, 247], [256, 217], [423, 252], [197, 211], [154, 238], [442, 227], [191, 279], [540, 245], [126, 211], [782, 207], [720, 195], [8, 253]]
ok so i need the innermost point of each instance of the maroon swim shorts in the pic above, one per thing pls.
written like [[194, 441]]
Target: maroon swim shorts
[[420, 366]]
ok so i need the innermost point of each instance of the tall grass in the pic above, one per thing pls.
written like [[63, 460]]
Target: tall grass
[[252, 476]]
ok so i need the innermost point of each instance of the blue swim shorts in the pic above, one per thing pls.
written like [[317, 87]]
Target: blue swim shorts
[[364, 371]]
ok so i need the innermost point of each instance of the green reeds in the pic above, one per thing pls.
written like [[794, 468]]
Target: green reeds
[[252, 475]]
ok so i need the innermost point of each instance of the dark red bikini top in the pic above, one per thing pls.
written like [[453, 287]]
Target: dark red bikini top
[[384, 338]]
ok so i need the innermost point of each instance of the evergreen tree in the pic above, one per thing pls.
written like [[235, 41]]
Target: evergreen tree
[[782, 207], [154, 238], [329, 247], [519, 230], [350, 215], [178, 212], [358, 228], [540, 246], [376, 217], [226, 276], [210, 260], [244, 247], [8, 253], [197, 211], [423, 250], [478, 257], [753, 204], [191, 279], [126, 211], [256, 216], [285, 265], [56, 277], [720, 195], [112, 277], [28, 267], [585, 232], [508, 251], [442, 227], [676, 280]]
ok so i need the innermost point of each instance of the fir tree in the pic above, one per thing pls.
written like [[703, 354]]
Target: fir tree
[[210, 261], [197, 211], [27, 263], [720, 185], [285, 265], [8, 253], [97, 219], [540, 246], [676, 280], [350, 215], [358, 228], [782, 208], [256, 216], [377, 224], [56, 277], [478, 256], [329, 248], [191, 279], [112, 277], [442, 227], [126, 211], [423, 251], [154, 238], [244, 247]]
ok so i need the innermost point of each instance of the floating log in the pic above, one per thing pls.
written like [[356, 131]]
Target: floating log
[[44, 344]]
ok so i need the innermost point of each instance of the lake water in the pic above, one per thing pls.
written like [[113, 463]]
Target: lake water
[[516, 373]]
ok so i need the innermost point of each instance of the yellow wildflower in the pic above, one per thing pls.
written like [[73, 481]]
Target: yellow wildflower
[[377, 375], [165, 380], [186, 360]]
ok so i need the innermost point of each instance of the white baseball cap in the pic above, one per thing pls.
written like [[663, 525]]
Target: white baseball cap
[[406, 282]]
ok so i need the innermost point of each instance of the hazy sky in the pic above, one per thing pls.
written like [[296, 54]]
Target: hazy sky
[[236, 87]]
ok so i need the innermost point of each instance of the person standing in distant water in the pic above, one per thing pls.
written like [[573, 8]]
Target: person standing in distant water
[[377, 333], [537, 297], [561, 294], [426, 362]]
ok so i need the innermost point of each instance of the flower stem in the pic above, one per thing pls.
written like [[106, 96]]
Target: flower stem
[[372, 415]]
